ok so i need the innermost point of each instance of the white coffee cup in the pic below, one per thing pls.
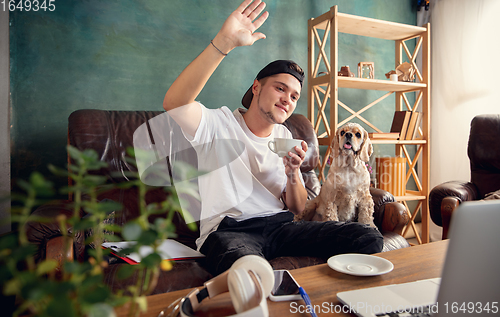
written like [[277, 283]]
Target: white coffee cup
[[394, 77], [283, 146]]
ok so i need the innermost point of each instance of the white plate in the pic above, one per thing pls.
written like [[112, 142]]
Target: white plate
[[360, 264]]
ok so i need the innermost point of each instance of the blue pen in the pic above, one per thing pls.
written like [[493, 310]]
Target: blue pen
[[307, 300], [305, 297]]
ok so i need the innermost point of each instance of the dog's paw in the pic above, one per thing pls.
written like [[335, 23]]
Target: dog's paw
[[305, 215], [330, 216], [326, 215], [298, 217], [310, 205], [309, 211]]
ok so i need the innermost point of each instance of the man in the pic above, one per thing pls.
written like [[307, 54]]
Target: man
[[243, 205]]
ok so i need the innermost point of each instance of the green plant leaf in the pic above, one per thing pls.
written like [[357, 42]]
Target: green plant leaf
[[61, 306], [160, 224], [112, 228], [96, 165], [111, 238], [24, 185], [185, 170], [5, 273], [131, 249], [148, 237], [130, 151], [84, 224], [93, 180], [60, 288], [39, 292], [97, 293], [119, 300], [142, 302], [192, 226], [131, 231], [155, 208], [46, 266], [23, 252], [188, 189], [65, 190], [57, 170], [90, 155], [109, 206], [12, 287], [151, 261], [101, 310], [77, 268], [73, 152], [40, 185], [8, 241], [125, 271], [29, 281]]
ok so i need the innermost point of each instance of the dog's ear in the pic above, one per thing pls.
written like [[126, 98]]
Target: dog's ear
[[366, 148], [335, 145]]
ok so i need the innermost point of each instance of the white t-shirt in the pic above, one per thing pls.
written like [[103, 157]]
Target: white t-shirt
[[244, 178]]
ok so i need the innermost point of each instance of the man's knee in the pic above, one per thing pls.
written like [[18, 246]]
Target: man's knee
[[222, 251], [355, 237], [369, 241], [224, 260]]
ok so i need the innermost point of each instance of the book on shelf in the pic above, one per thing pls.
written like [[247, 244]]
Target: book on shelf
[[400, 123], [168, 250], [413, 125], [384, 136]]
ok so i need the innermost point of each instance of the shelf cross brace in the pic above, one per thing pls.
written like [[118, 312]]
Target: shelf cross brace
[[413, 56], [322, 53], [358, 114]]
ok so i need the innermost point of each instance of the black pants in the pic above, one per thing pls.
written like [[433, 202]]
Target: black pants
[[279, 235]]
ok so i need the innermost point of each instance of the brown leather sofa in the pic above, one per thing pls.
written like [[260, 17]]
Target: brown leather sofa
[[111, 132], [484, 155]]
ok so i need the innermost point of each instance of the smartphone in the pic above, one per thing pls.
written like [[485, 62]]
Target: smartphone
[[285, 287]]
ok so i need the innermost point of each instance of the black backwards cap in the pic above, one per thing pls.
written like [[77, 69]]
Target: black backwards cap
[[273, 68]]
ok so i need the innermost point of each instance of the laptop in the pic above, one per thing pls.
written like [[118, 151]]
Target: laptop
[[469, 285]]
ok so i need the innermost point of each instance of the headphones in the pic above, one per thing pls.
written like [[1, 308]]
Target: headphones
[[249, 282]]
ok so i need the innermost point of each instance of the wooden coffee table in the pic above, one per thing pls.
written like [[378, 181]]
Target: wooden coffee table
[[322, 284]]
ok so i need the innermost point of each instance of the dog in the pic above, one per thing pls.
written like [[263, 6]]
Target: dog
[[345, 196]]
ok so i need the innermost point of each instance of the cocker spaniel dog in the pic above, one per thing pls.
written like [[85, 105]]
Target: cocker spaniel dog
[[345, 196]]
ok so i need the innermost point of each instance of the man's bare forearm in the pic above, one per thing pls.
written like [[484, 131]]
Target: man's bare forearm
[[191, 81], [238, 30], [296, 195]]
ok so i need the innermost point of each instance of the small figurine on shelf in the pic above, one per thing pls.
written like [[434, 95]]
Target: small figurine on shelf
[[345, 72], [366, 70], [405, 72]]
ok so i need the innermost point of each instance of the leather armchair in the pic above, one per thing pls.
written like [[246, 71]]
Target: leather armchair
[[111, 132], [483, 151]]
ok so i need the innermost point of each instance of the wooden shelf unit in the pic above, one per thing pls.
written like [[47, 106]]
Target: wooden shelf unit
[[323, 92]]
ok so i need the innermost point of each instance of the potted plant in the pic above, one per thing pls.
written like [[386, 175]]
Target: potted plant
[[49, 288]]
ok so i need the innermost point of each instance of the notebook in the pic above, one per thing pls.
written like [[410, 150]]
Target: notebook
[[169, 250], [469, 285]]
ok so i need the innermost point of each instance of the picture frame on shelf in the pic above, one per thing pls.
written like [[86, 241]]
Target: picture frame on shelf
[[366, 70]]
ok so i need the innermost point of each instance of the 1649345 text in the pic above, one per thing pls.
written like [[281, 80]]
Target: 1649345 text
[[27, 5]]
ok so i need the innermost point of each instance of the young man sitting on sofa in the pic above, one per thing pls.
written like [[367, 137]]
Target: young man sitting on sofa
[[243, 210]]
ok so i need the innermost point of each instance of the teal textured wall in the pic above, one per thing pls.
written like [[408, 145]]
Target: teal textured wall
[[123, 55]]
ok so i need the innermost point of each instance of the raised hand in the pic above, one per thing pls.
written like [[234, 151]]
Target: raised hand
[[239, 28]]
